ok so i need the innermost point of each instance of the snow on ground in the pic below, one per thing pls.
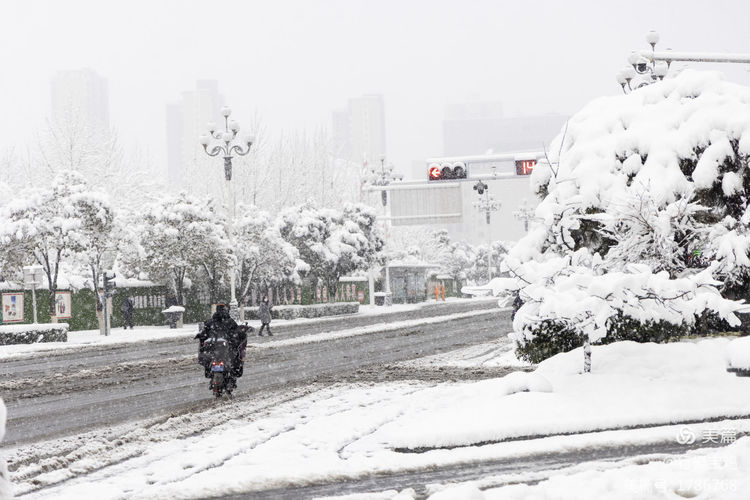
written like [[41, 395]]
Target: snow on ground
[[722, 473], [121, 336], [349, 431], [500, 352], [739, 353]]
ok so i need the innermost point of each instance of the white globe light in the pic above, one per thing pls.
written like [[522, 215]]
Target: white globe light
[[233, 125], [205, 140], [633, 58], [226, 111], [652, 37], [227, 136], [661, 68], [628, 73], [211, 127]]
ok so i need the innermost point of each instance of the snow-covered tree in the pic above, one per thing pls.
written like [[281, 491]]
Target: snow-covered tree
[[454, 257], [645, 179], [47, 225], [264, 258], [578, 293], [332, 243], [175, 237], [477, 273]]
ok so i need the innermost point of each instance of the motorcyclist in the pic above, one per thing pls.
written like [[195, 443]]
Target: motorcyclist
[[222, 325]]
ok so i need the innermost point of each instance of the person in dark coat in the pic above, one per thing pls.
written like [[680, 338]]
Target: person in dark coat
[[126, 308], [222, 325], [264, 314]]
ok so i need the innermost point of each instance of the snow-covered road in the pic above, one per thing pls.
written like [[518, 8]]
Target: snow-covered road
[[112, 387]]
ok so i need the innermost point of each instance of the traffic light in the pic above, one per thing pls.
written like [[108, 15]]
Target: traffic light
[[446, 171], [109, 283]]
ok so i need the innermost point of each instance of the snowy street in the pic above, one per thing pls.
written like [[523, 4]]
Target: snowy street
[[371, 434], [54, 393]]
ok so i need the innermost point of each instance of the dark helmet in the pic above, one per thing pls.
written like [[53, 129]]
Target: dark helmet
[[222, 310]]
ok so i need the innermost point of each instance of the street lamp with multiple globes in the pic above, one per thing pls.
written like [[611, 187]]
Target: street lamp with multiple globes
[[643, 69], [384, 177], [524, 213], [486, 204], [225, 142]]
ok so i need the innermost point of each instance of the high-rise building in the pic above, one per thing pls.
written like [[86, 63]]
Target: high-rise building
[[187, 120], [359, 130], [476, 128], [82, 94]]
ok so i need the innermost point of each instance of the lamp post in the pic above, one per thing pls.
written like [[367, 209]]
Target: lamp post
[[524, 213], [32, 277], [225, 142], [383, 177], [648, 66], [486, 204]]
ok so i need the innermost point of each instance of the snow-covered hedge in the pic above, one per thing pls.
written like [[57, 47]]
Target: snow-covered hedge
[[32, 334], [311, 311]]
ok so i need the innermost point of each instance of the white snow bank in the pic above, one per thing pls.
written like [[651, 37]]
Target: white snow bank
[[739, 353], [631, 384], [708, 474]]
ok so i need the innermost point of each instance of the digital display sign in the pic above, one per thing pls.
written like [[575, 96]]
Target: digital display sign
[[525, 167]]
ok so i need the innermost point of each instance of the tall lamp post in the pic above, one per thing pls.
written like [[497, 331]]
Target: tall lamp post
[[383, 177], [648, 66], [524, 213], [226, 143], [486, 204], [32, 277]]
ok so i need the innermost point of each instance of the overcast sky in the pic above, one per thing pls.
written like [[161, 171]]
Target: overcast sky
[[294, 62]]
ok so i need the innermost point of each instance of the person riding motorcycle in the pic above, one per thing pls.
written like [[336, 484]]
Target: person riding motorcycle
[[222, 325]]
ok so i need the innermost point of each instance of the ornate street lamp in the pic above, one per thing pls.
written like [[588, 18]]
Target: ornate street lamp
[[383, 177], [524, 213], [226, 143], [644, 69], [486, 204]]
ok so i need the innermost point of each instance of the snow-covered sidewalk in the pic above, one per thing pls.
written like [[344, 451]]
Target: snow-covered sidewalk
[[350, 431]]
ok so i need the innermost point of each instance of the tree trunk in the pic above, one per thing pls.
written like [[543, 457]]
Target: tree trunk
[[586, 354]]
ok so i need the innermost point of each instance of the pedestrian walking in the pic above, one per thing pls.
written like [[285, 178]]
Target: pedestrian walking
[[442, 291], [264, 313], [126, 308], [437, 293]]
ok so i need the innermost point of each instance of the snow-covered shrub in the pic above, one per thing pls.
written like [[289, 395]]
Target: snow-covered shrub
[[32, 334], [307, 311], [633, 188], [577, 293]]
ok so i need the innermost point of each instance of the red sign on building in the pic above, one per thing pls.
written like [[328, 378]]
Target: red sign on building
[[525, 167]]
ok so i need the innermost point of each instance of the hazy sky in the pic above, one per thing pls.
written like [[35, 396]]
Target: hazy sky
[[294, 62]]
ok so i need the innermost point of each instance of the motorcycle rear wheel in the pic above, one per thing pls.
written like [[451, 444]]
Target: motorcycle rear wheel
[[218, 383]]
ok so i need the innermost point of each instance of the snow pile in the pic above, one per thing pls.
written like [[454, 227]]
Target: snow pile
[[739, 353], [723, 473]]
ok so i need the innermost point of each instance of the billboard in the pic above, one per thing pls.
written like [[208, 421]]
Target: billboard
[[12, 308], [62, 305], [418, 205]]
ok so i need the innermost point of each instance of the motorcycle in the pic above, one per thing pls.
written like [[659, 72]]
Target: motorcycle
[[222, 363]]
